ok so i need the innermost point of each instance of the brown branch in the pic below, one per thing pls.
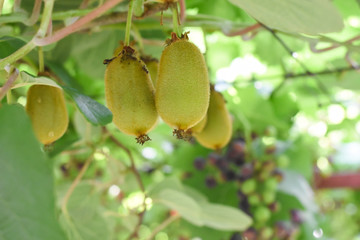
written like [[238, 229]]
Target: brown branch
[[138, 179], [7, 86], [62, 33], [339, 180]]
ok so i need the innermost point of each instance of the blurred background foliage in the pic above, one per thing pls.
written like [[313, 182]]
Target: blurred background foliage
[[296, 118]]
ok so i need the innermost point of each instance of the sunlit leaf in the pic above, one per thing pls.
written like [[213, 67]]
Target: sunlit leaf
[[306, 16]]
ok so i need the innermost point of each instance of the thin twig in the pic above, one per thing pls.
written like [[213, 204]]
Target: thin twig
[[321, 86], [333, 46], [138, 179], [73, 186], [132, 162], [163, 225], [7, 86]]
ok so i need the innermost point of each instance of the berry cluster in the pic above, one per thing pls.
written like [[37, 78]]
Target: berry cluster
[[257, 179]]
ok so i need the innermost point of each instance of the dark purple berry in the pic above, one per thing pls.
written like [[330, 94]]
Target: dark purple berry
[[210, 182], [213, 158], [250, 234], [229, 175], [199, 163], [241, 195], [282, 231], [247, 170], [245, 206], [296, 216], [222, 164]]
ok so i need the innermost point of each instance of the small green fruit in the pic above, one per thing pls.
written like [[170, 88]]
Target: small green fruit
[[262, 214]]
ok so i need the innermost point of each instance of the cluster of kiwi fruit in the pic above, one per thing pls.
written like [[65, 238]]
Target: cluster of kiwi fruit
[[176, 88], [140, 89]]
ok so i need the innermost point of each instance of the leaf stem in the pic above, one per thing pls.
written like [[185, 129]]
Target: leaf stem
[[182, 10], [138, 38], [138, 179], [46, 18], [128, 23], [64, 32], [163, 225], [18, 54], [38, 41], [35, 13], [41, 59], [73, 186], [175, 19], [7, 86]]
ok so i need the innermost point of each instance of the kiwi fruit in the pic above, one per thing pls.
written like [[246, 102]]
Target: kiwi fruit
[[182, 85], [129, 94], [46, 108], [218, 129], [199, 126]]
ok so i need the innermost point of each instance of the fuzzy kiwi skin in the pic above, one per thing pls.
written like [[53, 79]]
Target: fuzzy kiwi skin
[[218, 129], [46, 108], [182, 87], [130, 95], [199, 126]]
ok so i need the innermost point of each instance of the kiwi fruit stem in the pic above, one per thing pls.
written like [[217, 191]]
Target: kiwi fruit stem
[[176, 21], [128, 23]]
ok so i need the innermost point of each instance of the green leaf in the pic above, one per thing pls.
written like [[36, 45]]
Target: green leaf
[[25, 79], [93, 111], [284, 105], [138, 7], [224, 217], [294, 16], [264, 115], [27, 202], [296, 185], [194, 207], [183, 204], [8, 45], [87, 222]]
